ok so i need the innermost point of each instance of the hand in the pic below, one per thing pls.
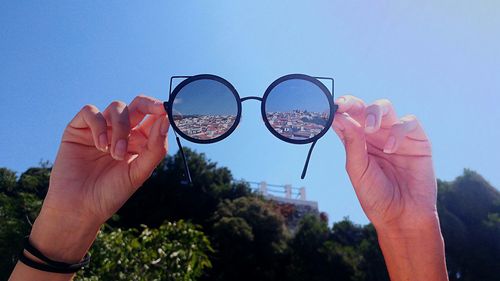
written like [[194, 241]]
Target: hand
[[102, 160], [389, 162]]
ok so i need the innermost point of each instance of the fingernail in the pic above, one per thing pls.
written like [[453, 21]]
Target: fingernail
[[390, 144], [370, 122], [157, 102], [340, 100], [164, 126], [120, 149], [103, 142]]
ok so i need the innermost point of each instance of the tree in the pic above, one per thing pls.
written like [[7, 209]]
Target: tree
[[250, 240], [163, 196], [314, 254], [15, 213], [468, 208], [249, 237], [35, 180], [174, 251], [8, 180]]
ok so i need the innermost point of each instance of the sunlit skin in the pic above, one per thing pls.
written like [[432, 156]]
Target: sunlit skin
[[389, 162], [104, 157]]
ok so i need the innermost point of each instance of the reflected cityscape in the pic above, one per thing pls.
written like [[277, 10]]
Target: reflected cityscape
[[204, 127], [297, 124]]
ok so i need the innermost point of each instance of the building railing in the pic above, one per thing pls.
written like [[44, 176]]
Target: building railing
[[285, 191]]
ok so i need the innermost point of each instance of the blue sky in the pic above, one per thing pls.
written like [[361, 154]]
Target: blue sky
[[297, 94], [205, 96], [439, 60]]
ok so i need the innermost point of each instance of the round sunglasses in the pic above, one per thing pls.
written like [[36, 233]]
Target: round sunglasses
[[206, 108]]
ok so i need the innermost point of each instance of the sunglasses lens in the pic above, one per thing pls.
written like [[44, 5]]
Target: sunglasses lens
[[297, 109], [204, 109]]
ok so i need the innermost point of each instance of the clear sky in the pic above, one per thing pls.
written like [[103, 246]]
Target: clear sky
[[205, 97], [297, 94], [439, 60]]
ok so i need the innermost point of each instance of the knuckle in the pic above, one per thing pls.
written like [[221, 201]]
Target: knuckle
[[89, 108], [139, 99], [143, 97], [354, 99], [385, 105], [409, 117], [384, 101], [349, 96], [117, 104], [358, 100]]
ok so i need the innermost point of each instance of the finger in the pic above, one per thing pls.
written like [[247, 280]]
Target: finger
[[380, 114], [90, 117], [117, 116], [389, 116], [353, 136], [353, 106], [350, 104], [139, 135], [145, 126], [142, 106], [407, 128], [156, 148]]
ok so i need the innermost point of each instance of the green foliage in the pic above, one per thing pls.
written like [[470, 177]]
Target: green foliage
[[344, 252], [16, 212], [249, 235], [11, 230], [250, 239], [174, 251], [35, 180], [196, 202], [8, 180], [469, 208], [316, 255]]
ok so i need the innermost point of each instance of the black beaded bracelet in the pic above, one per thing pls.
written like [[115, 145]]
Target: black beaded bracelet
[[49, 265]]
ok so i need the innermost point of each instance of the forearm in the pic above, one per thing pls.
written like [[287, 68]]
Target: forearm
[[414, 252], [61, 239]]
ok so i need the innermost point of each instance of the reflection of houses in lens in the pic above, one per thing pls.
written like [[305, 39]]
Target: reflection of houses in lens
[[206, 127], [297, 124]]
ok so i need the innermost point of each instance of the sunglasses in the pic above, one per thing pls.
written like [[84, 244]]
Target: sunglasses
[[206, 108]]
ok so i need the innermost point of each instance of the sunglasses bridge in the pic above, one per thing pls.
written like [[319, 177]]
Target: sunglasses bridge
[[188, 179], [251, 98]]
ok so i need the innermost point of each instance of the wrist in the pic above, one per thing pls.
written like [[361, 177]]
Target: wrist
[[63, 237], [407, 249], [409, 226], [411, 236]]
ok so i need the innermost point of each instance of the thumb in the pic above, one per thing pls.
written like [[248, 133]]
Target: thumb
[[353, 137], [155, 150]]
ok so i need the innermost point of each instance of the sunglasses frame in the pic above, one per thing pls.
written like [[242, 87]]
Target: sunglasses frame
[[189, 79], [194, 78]]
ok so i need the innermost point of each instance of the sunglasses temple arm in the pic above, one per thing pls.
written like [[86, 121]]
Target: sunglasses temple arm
[[186, 168], [304, 171]]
